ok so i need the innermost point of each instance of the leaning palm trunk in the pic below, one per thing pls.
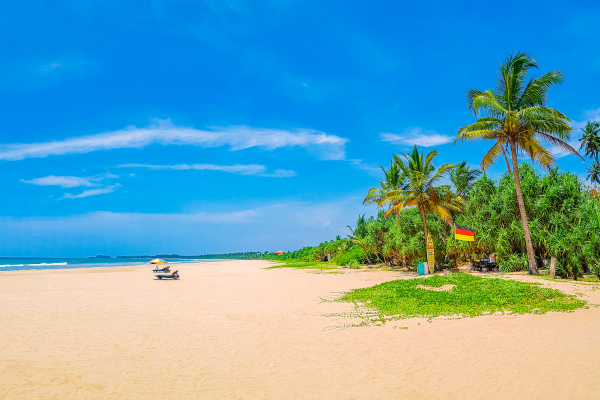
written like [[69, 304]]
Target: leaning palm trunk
[[424, 221], [506, 159], [530, 254], [367, 257]]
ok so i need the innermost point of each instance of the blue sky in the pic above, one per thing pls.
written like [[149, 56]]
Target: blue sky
[[217, 126]]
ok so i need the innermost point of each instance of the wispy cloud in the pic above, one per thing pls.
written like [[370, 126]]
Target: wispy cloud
[[91, 192], [163, 132], [249, 169], [62, 181], [371, 169], [70, 181], [416, 136], [576, 133]]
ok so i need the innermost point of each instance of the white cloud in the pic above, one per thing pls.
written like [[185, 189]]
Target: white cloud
[[62, 181], [91, 192], [163, 132], [70, 181], [249, 169], [416, 136], [132, 175]]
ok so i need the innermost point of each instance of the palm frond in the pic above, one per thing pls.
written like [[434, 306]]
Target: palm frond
[[490, 157], [559, 143], [535, 93]]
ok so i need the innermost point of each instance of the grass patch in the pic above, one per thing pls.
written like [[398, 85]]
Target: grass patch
[[472, 296], [585, 278], [305, 265], [591, 278]]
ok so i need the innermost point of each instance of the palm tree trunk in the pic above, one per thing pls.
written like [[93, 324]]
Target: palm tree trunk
[[367, 257], [528, 243], [506, 159], [424, 222]]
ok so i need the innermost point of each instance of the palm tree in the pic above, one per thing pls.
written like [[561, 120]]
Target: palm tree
[[463, 178], [590, 141], [517, 116], [359, 234], [394, 180], [594, 173], [421, 189]]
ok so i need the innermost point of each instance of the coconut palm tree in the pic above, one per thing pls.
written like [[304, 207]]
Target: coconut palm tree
[[463, 178], [594, 173], [422, 189], [516, 115], [590, 141], [394, 180]]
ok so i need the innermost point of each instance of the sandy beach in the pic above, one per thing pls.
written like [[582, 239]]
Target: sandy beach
[[234, 330]]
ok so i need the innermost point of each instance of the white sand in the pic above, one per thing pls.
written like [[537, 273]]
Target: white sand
[[233, 330]]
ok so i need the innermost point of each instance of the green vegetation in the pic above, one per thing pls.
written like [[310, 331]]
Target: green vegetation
[[564, 218], [248, 255], [304, 265], [471, 296], [564, 215]]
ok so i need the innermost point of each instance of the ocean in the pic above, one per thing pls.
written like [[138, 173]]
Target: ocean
[[26, 263]]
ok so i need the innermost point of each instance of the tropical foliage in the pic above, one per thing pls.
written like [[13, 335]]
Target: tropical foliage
[[421, 188], [564, 218]]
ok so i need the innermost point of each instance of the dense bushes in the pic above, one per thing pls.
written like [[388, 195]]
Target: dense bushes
[[564, 220], [355, 253]]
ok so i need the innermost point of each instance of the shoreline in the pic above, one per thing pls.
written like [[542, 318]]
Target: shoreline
[[234, 329], [7, 268]]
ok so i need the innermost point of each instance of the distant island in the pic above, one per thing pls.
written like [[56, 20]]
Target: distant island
[[157, 256], [101, 256], [247, 255]]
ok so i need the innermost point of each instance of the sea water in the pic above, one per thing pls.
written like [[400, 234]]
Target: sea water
[[26, 263]]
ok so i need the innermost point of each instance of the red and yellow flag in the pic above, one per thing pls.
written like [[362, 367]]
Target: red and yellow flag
[[464, 233]]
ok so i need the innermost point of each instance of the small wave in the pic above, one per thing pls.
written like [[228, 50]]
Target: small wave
[[34, 265], [11, 265]]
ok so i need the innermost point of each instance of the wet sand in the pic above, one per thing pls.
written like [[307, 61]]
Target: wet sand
[[233, 330]]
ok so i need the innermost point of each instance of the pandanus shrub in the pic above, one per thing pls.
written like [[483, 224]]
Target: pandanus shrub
[[564, 221]]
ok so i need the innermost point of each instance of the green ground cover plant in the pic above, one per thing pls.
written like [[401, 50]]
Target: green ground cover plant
[[471, 296], [304, 265]]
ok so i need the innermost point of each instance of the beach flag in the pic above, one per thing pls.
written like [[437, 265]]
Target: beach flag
[[464, 233]]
